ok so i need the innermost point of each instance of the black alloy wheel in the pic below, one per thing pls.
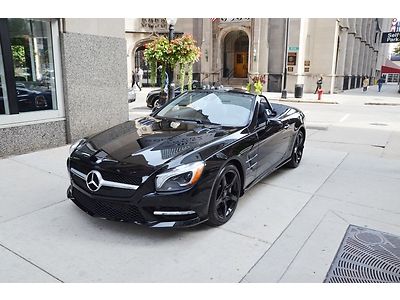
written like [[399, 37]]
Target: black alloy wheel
[[225, 196], [297, 152]]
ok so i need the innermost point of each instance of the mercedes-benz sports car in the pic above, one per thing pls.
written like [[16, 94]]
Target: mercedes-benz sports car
[[186, 163]]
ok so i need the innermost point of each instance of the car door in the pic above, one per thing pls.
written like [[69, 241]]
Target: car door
[[270, 131]]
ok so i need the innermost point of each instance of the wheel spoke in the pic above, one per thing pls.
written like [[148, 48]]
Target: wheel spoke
[[223, 183], [233, 181]]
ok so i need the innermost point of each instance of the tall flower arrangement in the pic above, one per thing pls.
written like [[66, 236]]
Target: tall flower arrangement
[[182, 51]]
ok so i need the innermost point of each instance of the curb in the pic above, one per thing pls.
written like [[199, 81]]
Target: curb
[[382, 103]]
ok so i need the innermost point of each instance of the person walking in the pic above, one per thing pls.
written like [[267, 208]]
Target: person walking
[[140, 77], [380, 83], [319, 85], [135, 79], [365, 83]]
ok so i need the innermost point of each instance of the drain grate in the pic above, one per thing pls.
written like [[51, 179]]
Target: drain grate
[[366, 256]]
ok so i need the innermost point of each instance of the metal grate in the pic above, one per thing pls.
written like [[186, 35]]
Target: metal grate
[[365, 256], [108, 209]]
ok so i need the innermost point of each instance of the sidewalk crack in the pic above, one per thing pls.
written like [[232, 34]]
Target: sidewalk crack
[[32, 263]]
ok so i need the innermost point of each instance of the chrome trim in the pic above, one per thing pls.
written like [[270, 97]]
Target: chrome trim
[[79, 174], [118, 185], [173, 213], [164, 224], [250, 159], [103, 182], [253, 165]]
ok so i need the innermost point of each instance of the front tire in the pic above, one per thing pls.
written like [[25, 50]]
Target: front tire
[[156, 103], [224, 196], [297, 152]]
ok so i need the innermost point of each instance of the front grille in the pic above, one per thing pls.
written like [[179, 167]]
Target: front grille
[[366, 256], [121, 178], [108, 209], [108, 175]]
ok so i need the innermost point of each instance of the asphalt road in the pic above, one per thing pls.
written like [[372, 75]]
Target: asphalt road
[[286, 229]]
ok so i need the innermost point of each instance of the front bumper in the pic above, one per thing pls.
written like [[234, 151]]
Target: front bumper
[[184, 209]]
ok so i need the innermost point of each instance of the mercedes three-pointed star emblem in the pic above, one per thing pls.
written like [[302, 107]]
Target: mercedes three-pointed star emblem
[[93, 181]]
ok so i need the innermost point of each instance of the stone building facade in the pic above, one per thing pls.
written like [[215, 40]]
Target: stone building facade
[[342, 51], [60, 80]]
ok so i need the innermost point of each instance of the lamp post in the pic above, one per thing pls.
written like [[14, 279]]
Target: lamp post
[[171, 85], [284, 92]]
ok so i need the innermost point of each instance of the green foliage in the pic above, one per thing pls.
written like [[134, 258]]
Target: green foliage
[[190, 76], [18, 54], [256, 84], [182, 76], [181, 50], [153, 72]]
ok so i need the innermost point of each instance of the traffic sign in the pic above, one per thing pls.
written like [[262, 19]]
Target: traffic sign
[[293, 48], [391, 37]]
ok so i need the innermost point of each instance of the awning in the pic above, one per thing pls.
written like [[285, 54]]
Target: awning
[[390, 67], [390, 70]]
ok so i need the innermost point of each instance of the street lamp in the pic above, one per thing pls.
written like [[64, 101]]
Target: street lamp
[[284, 92], [171, 85]]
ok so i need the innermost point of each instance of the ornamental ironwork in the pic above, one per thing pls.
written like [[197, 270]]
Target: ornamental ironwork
[[234, 20], [154, 23]]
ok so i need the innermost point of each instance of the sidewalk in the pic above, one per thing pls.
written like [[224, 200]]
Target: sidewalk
[[286, 229], [388, 96]]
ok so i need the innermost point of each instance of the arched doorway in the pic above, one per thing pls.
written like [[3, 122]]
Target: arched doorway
[[236, 53], [139, 61]]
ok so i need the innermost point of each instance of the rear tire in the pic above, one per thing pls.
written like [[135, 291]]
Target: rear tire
[[224, 196], [297, 152]]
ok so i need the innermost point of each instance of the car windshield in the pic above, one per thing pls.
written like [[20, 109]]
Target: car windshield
[[223, 108]]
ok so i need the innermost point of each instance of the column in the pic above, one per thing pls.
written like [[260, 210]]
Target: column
[[343, 39], [349, 52], [356, 54], [362, 52]]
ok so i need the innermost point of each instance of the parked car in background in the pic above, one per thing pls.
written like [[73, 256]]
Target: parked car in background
[[154, 95], [186, 163], [30, 98], [131, 95]]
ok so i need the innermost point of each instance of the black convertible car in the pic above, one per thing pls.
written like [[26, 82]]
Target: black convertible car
[[186, 163]]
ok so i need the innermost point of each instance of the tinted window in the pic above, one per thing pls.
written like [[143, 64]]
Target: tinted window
[[228, 109]]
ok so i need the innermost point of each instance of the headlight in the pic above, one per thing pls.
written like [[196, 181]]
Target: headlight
[[179, 178], [75, 145]]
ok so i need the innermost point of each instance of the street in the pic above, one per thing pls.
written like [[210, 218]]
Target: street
[[287, 228]]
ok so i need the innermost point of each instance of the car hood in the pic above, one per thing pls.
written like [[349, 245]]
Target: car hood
[[148, 143]]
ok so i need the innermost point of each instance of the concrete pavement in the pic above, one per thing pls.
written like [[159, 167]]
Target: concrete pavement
[[286, 229]]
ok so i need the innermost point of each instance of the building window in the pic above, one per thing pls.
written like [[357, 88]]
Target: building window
[[30, 71], [3, 91], [32, 54]]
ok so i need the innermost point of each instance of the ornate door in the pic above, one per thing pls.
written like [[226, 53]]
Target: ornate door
[[241, 67]]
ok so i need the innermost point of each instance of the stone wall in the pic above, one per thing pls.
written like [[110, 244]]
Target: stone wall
[[26, 138], [95, 92]]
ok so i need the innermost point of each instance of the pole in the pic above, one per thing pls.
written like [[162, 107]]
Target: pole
[[170, 71], [284, 92]]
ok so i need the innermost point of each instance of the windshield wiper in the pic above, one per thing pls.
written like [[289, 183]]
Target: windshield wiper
[[203, 122]]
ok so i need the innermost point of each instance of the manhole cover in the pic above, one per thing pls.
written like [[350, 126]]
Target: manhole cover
[[366, 255]]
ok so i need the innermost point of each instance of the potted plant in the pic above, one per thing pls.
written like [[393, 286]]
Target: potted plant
[[182, 51], [256, 84]]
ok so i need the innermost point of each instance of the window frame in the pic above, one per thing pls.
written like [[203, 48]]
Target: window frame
[[15, 118]]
